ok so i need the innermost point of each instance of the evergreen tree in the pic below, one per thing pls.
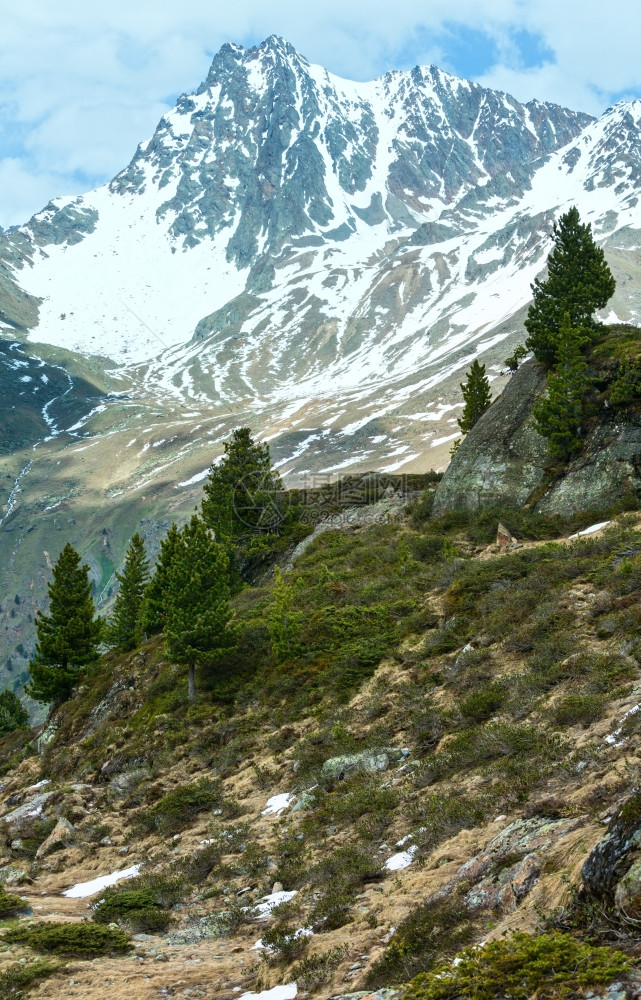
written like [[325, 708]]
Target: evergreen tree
[[557, 416], [284, 624], [13, 714], [152, 613], [197, 601], [477, 396], [244, 504], [68, 637], [124, 630], [579, 282]]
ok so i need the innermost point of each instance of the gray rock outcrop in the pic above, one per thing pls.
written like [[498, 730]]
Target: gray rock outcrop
[[502, 461]]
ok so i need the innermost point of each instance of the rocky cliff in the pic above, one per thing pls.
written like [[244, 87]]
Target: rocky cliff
[[503, 461]]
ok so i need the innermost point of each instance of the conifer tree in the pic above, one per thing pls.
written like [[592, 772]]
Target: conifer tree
[[557, 416], [124, 629], [197, 627], [67, 637], [244, 504], [284, 624], [152, 613], [579, 282], [13, 714], [477, 396]]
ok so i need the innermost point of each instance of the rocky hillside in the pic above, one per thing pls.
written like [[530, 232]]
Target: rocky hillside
[[448, 754], [504, 462]]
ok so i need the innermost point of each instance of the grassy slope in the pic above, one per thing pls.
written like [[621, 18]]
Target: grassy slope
[[388, 616]]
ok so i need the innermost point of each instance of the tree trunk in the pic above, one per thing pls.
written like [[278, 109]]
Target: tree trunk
[[192, 682]]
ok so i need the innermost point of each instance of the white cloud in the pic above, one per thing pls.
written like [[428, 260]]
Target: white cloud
[[81, 84]]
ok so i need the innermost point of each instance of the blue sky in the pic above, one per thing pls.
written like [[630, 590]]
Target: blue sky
[[81, 85]]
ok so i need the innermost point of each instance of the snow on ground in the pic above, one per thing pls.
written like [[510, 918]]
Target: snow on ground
[[401, 860], [591, 529], [268, 903], [277, 804], [613, 738], [287, 992], [83, 889]]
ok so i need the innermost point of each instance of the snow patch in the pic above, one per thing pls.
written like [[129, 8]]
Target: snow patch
[[268, 903], [401, 860], [591, 529], [286, 992], [83, 889], [277, 804]]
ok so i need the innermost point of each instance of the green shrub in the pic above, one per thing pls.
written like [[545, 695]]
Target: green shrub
[[336, 878], [317, 970], [10, 904], [141, 903], [480, 705], [285, 942], [77, 939], [179, 808], [137, 908], [578, 709], [16, 981], [430, 932], [443, 815], [548, 967], [510, 748]]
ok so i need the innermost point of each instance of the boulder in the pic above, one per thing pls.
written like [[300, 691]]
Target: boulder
[[608, 861], [627, 895], [339, 768], [19, 820], [62, 835], [502, 460], [124, 784], [46, 737]]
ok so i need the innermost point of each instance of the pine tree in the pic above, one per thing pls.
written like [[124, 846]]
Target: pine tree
[[197, 627], [579, 282], [152, 613], [284, 624], [557, 416], [68, 637], [13, 714], [124, 630], [477, 396], [244, 503]]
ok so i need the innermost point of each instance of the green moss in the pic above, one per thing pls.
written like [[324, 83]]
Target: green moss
[[549, 967], [78, 939]]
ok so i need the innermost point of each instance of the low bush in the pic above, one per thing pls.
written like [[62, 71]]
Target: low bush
[[548, 967], [142, 904], [284, 942], [316, 970], [77, 939], [179, 808], [17, 981], [10, 904], [481, 705], [430, 932], [336, 878], [578, 709]]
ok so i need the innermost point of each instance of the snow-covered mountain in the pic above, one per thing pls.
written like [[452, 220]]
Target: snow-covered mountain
[[291, 241]]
